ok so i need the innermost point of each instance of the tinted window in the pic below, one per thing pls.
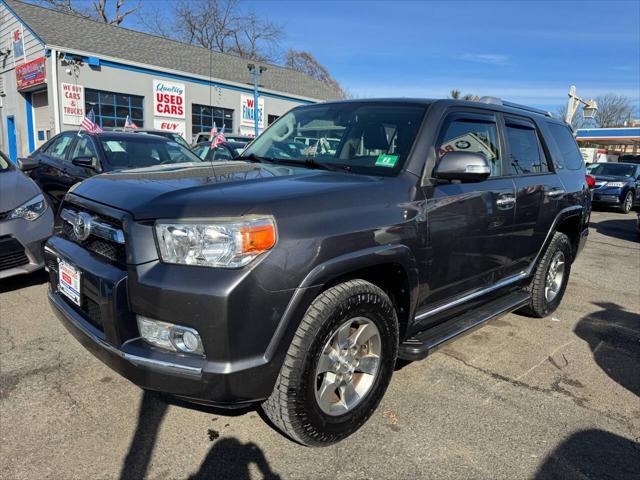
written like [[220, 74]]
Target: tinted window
[[222, 153], [526, 155], [84, 148], [59, 147], [569, 154], [144, 151], [469, 135]]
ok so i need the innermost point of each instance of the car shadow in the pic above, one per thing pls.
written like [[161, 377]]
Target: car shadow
[[23, 281], [613, 334], [228, 458], [623, 228], [592, 454]]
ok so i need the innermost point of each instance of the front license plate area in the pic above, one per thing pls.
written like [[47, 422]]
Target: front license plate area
[[69, 281]]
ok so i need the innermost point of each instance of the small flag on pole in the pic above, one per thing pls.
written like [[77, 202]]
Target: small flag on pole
[[128, 123], [219, 138], [89, 124]]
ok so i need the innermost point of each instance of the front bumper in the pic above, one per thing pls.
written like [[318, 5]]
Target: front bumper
[[611, 197], [237, 369], [21, 243]]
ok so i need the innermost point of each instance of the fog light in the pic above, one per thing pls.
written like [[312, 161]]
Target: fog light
[[169, 336]]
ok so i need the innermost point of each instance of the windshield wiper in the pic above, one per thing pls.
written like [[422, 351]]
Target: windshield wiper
[[311, 163], [252, 157]]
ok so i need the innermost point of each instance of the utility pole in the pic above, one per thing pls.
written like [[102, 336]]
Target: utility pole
[[256, 73], [590, 106]]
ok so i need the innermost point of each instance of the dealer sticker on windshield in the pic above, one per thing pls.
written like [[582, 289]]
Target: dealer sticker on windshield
[[385, 160], [69, 281]]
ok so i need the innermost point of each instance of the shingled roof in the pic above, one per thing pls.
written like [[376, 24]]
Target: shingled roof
[[74, 32]]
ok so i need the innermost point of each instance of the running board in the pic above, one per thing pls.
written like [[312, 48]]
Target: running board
[[422, 344]]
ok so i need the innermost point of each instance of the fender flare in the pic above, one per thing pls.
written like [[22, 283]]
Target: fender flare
[[325, 272]]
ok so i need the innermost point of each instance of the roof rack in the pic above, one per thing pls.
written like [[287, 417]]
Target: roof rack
[[498, 101]]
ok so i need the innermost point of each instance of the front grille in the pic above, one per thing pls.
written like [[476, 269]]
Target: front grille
[[13, 260], [12, 253], [92, 312], [115, 252]]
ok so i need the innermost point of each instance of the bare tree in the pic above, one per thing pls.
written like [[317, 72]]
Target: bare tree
[[457, 95], [613, 110], [218, 25], [306, 63], [578, 120], [99, 10]]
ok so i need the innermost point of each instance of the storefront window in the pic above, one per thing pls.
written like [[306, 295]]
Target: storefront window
[[203, 118], [111, 109]]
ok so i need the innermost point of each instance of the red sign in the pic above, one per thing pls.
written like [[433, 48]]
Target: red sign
[[169, 99], [31, 73]]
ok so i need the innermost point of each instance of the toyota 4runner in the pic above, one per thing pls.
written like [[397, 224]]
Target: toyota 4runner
[[296, 276]]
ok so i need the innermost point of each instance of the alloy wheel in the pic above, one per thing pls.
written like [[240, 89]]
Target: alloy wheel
[[555, 275], [348, 366]]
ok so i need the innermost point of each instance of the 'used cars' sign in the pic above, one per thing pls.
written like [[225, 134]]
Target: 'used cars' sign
[[168, 99], [247, 111], [72, 104]]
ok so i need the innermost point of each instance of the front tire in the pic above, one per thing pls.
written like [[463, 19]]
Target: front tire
[[338, 365], [550, 279], [627, 203]]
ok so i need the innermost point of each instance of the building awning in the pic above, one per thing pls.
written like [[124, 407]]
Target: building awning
[[609, 136]]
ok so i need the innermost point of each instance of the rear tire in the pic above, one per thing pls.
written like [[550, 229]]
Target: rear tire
[[323, 392], [550, 279]]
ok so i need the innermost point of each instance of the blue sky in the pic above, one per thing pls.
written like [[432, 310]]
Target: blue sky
[[528, 52], [524, 51]]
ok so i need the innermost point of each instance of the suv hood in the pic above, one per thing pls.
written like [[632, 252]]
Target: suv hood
[[15, 189], [212, 189]]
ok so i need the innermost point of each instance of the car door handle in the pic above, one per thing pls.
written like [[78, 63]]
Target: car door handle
[[555, 192], [505, 202]]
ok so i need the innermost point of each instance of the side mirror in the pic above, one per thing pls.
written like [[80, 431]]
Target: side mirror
[[85, 162], [27, 163], [465, 167]]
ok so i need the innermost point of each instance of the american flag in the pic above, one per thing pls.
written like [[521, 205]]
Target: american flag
[[219, 137], [128, 123], [89, 124]]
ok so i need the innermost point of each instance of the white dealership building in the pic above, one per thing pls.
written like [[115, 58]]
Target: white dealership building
[[57, 67]]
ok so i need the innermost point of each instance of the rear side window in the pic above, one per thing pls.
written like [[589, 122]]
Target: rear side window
[[569, 154], [525, 152]]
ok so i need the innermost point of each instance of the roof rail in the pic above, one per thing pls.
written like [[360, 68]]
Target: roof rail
[[498, 101]]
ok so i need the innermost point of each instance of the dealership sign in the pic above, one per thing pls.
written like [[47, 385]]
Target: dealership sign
[[175, 126], [31, 73], [168, 99], [72, 104], [17, 45], [247, 111]]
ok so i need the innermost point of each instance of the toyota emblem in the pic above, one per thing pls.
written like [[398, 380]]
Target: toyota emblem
[[82, 226]]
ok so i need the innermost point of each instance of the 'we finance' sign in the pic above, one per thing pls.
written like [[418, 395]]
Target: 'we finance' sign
[[247, 111]]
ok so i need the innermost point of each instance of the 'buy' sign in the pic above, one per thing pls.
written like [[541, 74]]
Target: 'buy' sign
[[168, 99]]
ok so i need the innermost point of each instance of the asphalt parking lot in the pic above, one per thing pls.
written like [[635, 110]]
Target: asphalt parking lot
[[519, 398]]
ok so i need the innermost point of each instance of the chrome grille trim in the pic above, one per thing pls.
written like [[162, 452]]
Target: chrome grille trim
[[97, 228]]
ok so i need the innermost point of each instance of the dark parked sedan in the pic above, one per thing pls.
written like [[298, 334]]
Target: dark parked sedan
[[70, 157], [617, 184]]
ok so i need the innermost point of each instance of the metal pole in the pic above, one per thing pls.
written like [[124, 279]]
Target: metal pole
[[256, 75], [572, 105]]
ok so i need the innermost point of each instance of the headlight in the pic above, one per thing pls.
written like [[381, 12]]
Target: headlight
[[224, 244], [30, 210], [615, 184]]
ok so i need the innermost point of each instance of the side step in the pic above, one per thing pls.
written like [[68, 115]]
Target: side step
[[422, 344]]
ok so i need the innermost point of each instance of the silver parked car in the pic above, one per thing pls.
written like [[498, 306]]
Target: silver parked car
[[26, 221]]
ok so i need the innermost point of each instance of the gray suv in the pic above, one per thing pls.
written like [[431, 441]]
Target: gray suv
[[295, 276]]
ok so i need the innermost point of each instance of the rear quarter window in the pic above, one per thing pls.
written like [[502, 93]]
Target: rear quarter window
[[570, 156]]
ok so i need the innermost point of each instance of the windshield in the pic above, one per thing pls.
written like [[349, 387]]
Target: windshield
[[363, 137], [144, 151], [614, 169], [5, 163]]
